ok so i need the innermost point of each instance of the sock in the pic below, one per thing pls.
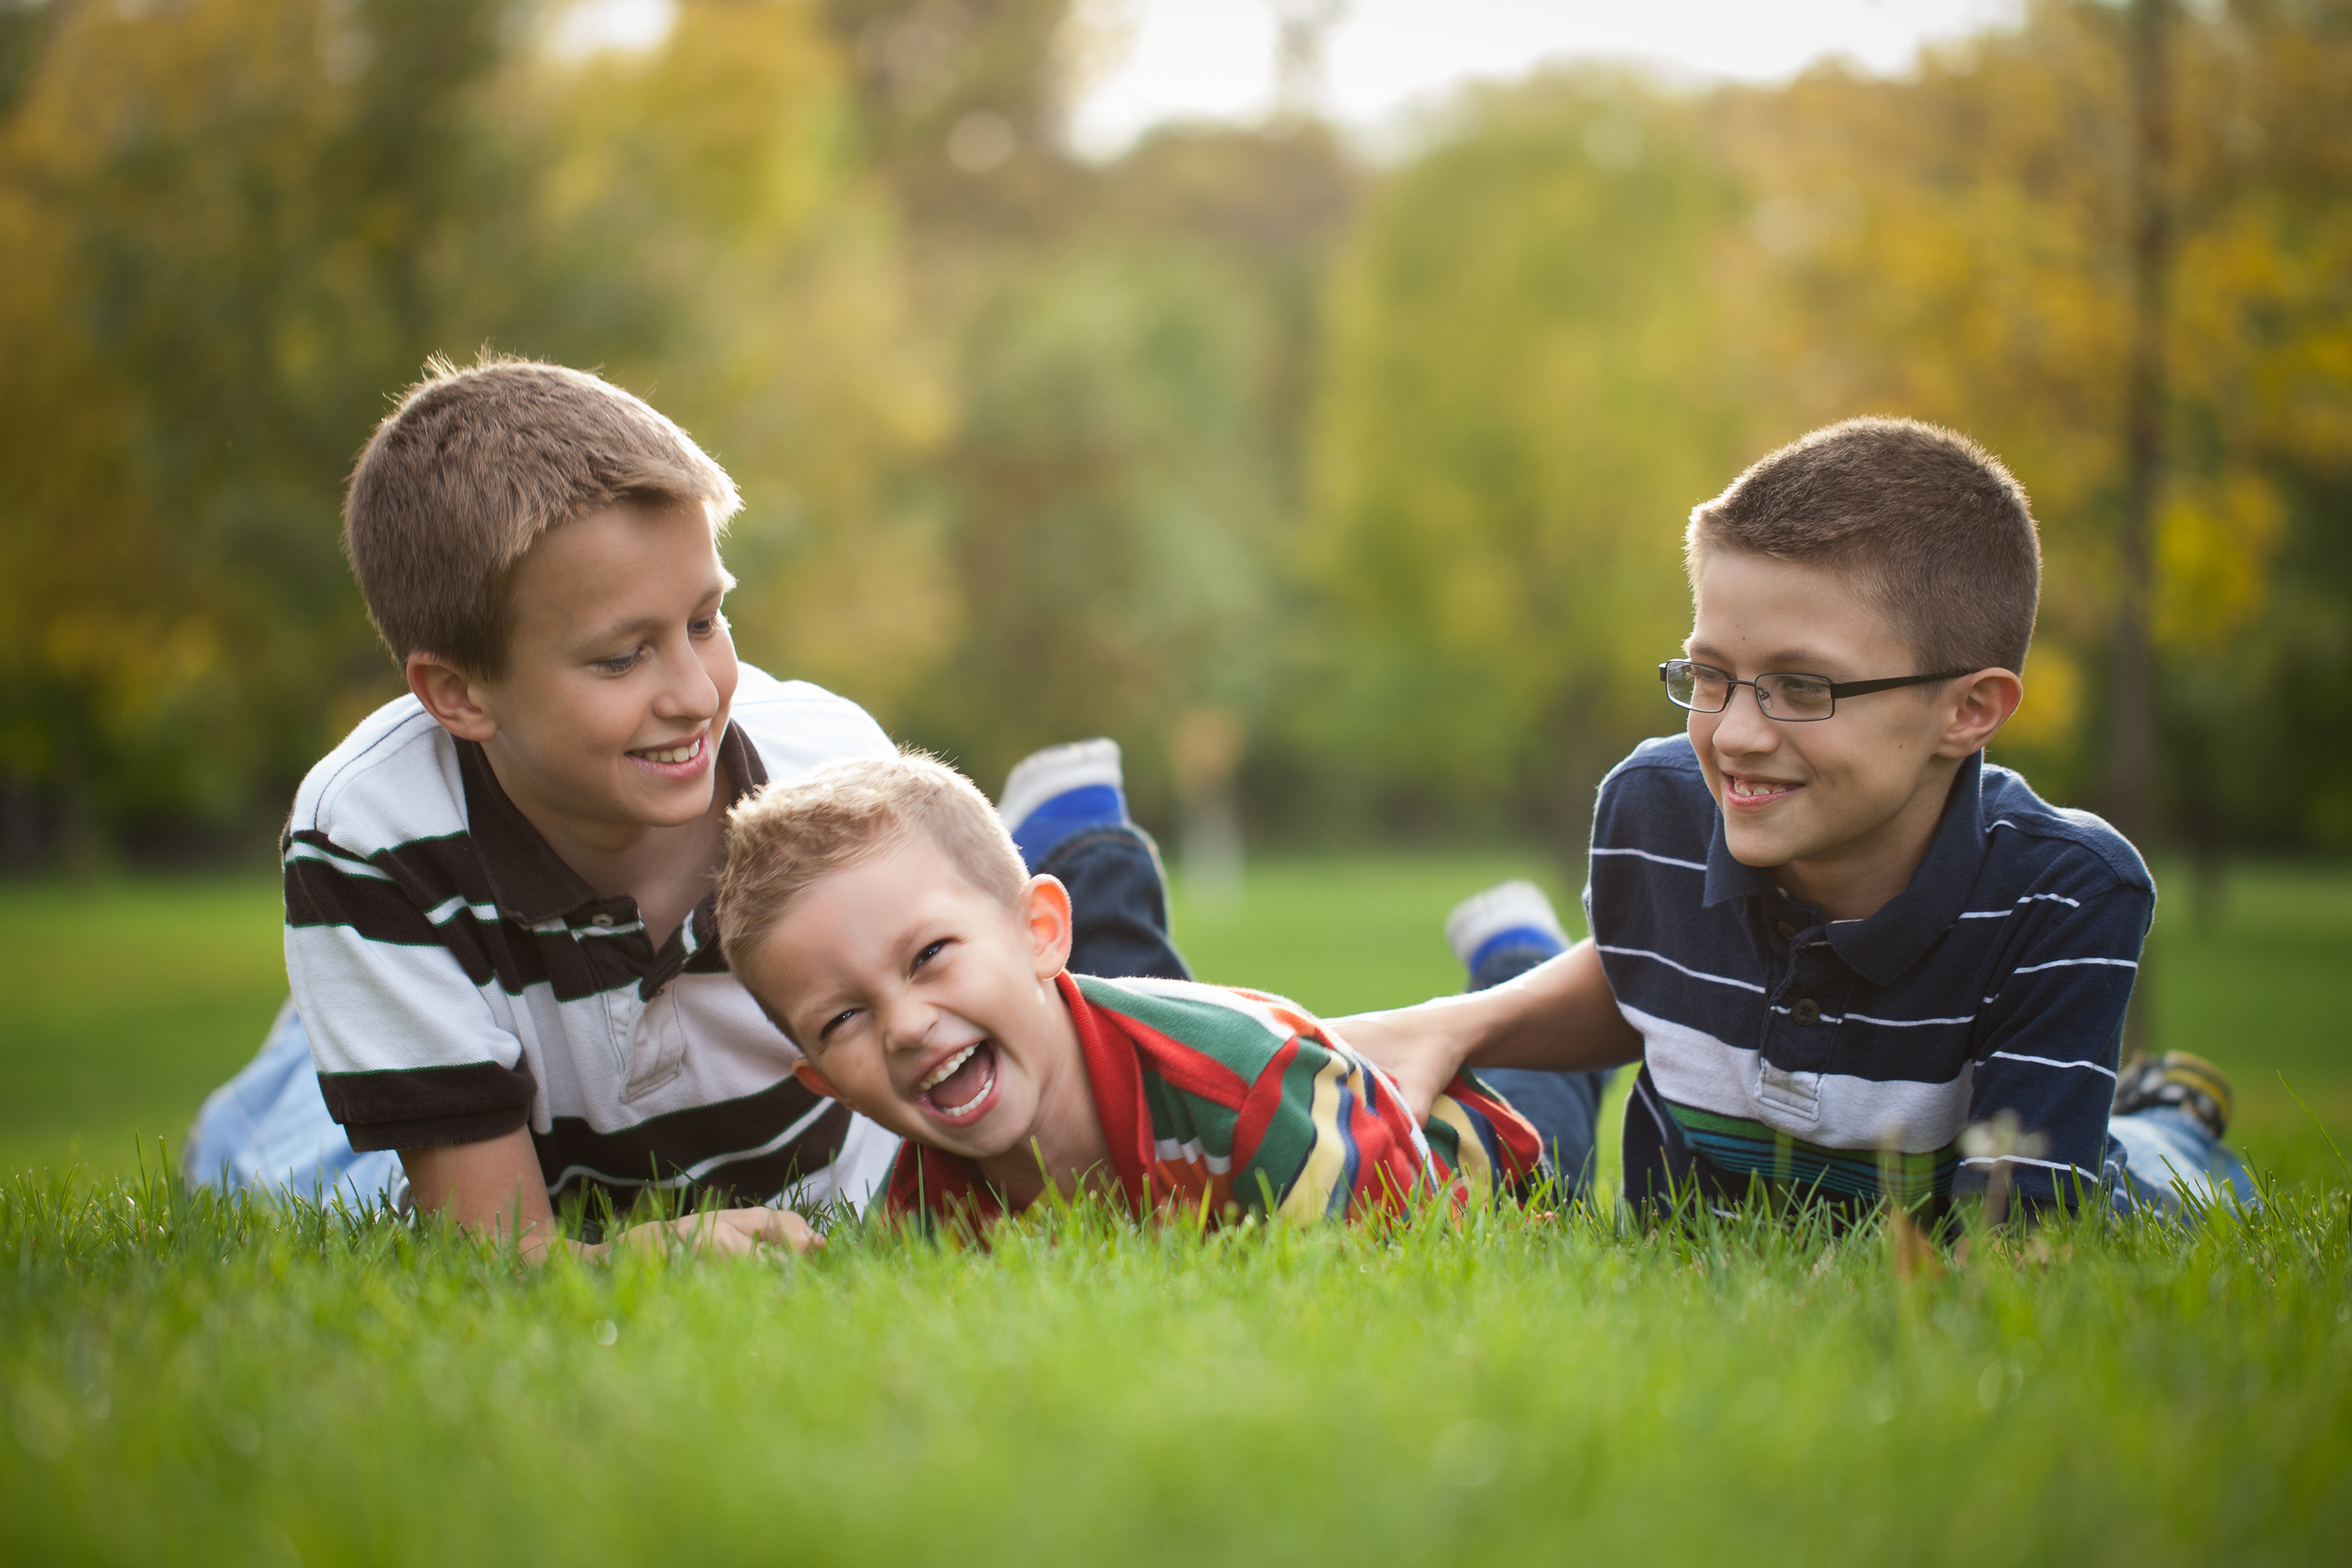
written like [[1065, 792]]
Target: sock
[[1512, 915], [1059, 791], [2177, 1078]]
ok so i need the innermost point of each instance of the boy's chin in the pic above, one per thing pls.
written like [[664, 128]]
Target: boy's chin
[[1761, 850]]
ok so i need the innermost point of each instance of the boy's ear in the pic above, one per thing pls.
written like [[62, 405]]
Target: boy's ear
[[1045, 909], [1985, 701], [811, 1080], [452, 696]]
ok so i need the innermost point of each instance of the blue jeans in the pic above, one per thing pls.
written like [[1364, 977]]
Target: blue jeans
[[267, 1130], [2157, 1155], [1565, 1106]]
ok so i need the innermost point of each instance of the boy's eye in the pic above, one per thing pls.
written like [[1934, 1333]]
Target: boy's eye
[[836, 1021], [703, 627], [929, 952], [619, 664]]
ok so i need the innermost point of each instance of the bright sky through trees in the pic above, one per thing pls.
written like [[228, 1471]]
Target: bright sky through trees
[[1157, 60], [1215, 58]]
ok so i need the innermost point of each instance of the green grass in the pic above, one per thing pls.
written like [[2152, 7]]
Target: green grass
[[188, 1381], [191, 1382], [122, 1004]]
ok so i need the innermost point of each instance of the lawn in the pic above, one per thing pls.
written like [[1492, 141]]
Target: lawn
[[183, 1380]]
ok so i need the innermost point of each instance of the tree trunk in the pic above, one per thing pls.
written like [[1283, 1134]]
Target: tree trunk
[[2132, 743]]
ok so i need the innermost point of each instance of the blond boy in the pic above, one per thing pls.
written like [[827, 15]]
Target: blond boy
[[882, 915]]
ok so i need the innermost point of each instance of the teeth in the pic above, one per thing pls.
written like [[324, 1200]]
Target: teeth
[[977, 1095], [946, 1070], [675, 754]]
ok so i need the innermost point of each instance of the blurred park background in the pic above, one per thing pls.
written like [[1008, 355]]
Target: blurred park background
[[1340, 477]]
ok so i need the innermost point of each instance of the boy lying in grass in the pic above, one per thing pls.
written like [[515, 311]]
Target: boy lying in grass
[[1855, 959], [882, 914], [507, 993]]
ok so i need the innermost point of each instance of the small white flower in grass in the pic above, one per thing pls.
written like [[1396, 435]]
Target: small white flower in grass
[[607, 1333], [2001, 1140]]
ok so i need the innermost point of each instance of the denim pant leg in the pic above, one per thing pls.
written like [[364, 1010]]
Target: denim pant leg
[[2165, 1151], [1118, 904], [267, 1131], [1565, 1106]]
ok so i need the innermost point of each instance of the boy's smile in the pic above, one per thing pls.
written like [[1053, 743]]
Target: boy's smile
[[1843, 806], [930, 1006]]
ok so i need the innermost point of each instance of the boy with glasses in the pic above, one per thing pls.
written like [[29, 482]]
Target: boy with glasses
[[1855, 961]]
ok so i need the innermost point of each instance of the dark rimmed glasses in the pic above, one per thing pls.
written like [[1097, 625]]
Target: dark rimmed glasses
[[1791, 698]]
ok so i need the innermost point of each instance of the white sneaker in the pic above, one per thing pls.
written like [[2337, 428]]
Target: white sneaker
[[1512, 906], [1057, 770]]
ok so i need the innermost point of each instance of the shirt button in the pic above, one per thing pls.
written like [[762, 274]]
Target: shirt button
[[1805, 1011], [1787, 932], [603, 920]]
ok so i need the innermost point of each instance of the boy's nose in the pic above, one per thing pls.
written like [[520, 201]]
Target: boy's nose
[[906, 1023], [690, 692], [1742, 727]]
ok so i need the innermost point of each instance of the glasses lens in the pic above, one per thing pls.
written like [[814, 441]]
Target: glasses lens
[[1797, 696], [1695, 685]]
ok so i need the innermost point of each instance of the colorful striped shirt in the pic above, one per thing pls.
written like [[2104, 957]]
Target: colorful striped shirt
[[1217, 1101], [1848, 1056]]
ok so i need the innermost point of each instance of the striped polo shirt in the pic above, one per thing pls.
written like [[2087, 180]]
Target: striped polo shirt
[[459, 981], [1848, 1056]]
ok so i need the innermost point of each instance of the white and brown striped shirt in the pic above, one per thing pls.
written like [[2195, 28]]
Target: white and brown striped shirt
[[459, 981]]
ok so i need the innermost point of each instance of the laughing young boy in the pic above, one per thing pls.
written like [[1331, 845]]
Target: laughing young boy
[[883, 917], [1835, 937], [498, 924]]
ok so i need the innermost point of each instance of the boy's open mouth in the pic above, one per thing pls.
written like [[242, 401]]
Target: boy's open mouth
[[1751, 793], [960, 1089], [672, 756]]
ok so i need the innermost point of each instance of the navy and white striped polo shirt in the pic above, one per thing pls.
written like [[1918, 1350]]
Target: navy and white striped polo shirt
[[1783, 1045]]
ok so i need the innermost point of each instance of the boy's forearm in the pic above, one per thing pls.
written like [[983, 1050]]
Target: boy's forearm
[[493, 1187], [1559, 1017]]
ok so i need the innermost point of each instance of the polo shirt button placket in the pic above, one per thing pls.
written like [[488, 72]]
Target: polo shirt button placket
[[1804, 1012]]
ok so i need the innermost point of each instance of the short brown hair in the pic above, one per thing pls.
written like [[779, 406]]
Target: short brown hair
[[788, 836], [1932, 529], [473, 467]]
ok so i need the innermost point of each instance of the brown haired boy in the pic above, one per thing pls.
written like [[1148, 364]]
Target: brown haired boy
[[498, 924], [881, 913], [1830, 931]]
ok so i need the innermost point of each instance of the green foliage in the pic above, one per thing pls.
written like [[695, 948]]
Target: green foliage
[[1382, 463], [1525, 392], [185, 1379], [1588, 304]]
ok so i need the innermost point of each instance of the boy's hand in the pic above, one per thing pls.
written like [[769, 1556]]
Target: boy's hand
[[1421, 1048], [494, 1187], [1559, 1017], [727, 1232]]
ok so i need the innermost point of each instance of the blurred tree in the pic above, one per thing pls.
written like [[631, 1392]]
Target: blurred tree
[[1961, 247], [235, 228], [215, 218], [1531, 378]]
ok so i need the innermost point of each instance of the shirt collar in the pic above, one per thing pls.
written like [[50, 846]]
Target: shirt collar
[[1883, 946], [528, 879]]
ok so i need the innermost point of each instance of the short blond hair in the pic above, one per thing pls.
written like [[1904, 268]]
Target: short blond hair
[[1929, 526], [788, 836], [473, 467]]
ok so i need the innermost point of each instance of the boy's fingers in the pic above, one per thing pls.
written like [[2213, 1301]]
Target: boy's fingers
[[1400, 1052], [781, 1227]]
